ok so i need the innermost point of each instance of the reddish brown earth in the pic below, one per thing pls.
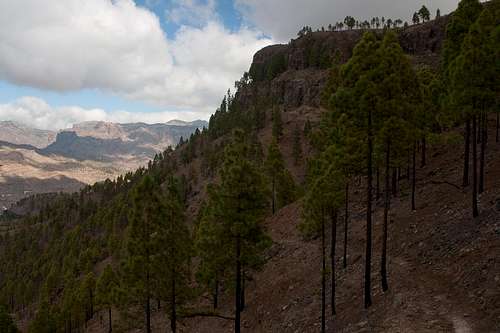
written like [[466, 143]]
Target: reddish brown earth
[[444, 266]]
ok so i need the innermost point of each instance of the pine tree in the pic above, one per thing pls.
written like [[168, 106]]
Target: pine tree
[[106, 292], [283, 189], [398, 92], [424, 14], [213, 246], [363, 60], [456, 30], [473, 82], [416, 18], [87, 290], [141, 245], [44, 321], [324, 198], [171, 261], [243, 201]]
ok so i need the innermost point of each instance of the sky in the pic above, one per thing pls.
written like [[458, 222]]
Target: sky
[[64, 62]]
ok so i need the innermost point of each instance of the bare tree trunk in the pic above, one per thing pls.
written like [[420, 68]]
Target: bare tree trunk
[[274, 196], [323, 277], [173, 308], [424, 151], [368, 255], [242, 300], [479, 129], [498, 126], [483, 151], [216, 292], [465, 180], [378, 184], [394, 182], [346, 222], [332, 257], [148, 314], [408, 166], [413, 179], [383, 269], [237, 321], [475, 211], [110, 322]]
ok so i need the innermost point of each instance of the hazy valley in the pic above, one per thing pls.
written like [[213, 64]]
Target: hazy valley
[[38, 161]]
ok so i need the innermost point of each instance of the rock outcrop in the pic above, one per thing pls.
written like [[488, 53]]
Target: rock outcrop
[[306, 62]]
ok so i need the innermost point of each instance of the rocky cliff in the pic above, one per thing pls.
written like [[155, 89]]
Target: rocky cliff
[[303, 63]]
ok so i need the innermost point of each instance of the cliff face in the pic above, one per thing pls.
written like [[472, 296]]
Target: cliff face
[[306, 60]]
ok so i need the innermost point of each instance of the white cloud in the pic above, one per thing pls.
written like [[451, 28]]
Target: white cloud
[[118, 47], [37, 113], [282, 19]]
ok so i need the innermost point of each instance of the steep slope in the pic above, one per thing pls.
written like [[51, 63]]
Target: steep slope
[[443, 265]]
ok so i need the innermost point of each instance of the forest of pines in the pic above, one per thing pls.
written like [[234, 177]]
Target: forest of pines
[[125, 249]]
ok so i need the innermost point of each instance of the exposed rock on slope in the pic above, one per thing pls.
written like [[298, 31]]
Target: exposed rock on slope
[[304, 73]]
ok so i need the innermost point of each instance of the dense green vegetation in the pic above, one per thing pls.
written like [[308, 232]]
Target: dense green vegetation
[[126, 248]]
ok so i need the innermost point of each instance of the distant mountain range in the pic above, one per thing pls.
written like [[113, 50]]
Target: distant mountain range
[[16, 133], [39, 161], [155, 135]]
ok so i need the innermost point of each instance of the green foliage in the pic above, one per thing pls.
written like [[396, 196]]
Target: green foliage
[[333, 81], [107, 288], [283, 188], [44, 321], [326, 192], [462, 18], [317, 55], [231, 115], [424, 14], [474, 73], [213, 246], [243, 193], [350, 22], [172, 258], [267, 71], [6, 323], [235, 209], [159, 246]]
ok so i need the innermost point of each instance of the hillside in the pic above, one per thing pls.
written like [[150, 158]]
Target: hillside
[[443, 264]]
